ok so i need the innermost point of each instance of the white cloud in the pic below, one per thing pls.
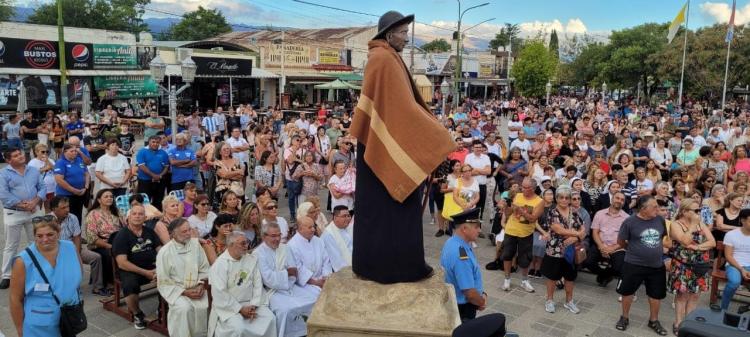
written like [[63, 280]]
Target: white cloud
[[233, 11], [720, 12]]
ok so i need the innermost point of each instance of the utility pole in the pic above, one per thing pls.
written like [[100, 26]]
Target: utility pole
[[61, 56]]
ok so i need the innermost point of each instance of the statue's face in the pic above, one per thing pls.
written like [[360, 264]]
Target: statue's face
[[398, 37]]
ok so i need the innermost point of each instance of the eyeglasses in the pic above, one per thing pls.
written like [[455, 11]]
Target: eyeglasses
[[696, 210], [576, 199], [203, 204], [271, 207], [43, 152], [563, 197], [43, 218]]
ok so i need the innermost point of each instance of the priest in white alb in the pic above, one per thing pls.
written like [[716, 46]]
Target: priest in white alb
[[181, 267], [339, 239], [239, 307], [313, 264], [290, 303]]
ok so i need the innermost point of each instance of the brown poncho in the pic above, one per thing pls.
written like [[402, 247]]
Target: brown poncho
[[404, 141]]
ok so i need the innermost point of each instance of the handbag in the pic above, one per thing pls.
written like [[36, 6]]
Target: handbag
[[575, 254], [72, 318], [450, 207]]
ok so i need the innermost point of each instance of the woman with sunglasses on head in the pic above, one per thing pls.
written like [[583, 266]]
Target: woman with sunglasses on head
[[249, 224], [37, 289], [688, 273], [202, 218], [215, 245]]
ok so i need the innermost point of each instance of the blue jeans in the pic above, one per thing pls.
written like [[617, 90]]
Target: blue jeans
[[15, 142], [293, 189], [734, 280]]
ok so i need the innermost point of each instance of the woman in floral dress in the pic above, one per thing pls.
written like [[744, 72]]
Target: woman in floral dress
[[692, 242]]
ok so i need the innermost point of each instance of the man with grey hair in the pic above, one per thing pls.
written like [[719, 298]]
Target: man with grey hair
[[182, 159], [181, 267], [279, 271], [310, 253], [239, 307]]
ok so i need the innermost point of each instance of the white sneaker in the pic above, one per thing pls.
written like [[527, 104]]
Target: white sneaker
[[526, 285], [506, 284], [572, 307], [549, 306]]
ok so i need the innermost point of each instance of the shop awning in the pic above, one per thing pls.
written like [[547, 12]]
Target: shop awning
[[262, 73], [337, 85], [349, 77], [29, 71]]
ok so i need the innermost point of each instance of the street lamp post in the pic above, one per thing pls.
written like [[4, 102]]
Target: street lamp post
[[444, 89], [158, 71], [457, 75], [549, 88], [604, 89]]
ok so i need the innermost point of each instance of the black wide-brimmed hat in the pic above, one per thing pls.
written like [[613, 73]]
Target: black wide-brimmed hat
[[389, 20]]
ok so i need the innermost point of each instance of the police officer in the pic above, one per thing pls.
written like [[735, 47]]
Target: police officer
[[461, 266]]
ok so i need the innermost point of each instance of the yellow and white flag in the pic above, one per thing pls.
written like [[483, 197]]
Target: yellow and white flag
[[676, 23]]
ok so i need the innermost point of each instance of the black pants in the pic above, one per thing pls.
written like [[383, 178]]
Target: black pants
[[467, 311], [594, 257], [116, 192], [76, 203], [155, 191], [482, 199], [108, 275]]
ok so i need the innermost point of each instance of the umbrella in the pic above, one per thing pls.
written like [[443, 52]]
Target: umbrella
[[86, 104], [22, 103], [337, 84]]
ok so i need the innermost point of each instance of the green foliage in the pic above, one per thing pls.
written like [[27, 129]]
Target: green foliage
[[199, 25], [554, 45], [532, 70], [6, 10], [629, 54], [436, 46], [585, 69], [508, 36], [123, 15]]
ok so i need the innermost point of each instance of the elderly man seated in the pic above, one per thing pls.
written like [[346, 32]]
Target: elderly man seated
[[289, 302], [135, 248], [339, 238], [181, 265], [309, 251], [239, 307]]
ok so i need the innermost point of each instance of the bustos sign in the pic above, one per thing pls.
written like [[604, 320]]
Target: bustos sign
[[41, 54]]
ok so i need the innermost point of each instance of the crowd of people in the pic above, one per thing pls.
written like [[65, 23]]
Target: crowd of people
[[185, 214], [635, 192]]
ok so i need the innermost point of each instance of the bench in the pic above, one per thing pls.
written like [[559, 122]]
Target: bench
[[718, 274], [114, 303]]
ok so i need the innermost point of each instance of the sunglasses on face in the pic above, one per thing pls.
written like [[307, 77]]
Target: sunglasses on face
[[696, 210], [271, 207]]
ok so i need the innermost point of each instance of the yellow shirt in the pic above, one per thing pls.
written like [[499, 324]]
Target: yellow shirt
[[520, 227]]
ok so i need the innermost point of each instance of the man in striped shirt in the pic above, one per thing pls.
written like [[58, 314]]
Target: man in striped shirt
[[209, 125]]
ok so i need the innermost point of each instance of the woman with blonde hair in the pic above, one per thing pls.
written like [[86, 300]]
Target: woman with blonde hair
[[315, 212], [172, 208], [230, 204], [688, 272], [45, 165], [249, 223]]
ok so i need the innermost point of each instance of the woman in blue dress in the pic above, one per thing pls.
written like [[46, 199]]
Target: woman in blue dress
[[32, 307]]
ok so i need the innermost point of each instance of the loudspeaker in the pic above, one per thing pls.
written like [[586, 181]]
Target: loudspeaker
[[704, 322]]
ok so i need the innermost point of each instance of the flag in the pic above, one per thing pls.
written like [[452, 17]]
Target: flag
[[676, 23], [730, 30]]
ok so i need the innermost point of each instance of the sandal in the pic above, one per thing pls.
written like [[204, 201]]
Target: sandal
[[102, 292], [656, 326], [675, 329], [622, 324]]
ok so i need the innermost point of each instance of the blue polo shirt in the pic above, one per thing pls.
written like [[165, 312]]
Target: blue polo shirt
[[73, 172], [78, 125], [156, 161], [180, 174], [461, 267]]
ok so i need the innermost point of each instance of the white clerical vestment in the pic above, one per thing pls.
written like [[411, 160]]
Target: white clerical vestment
[[339, 245], [180, 267], [289, 302], [312, 260], [235, 284]]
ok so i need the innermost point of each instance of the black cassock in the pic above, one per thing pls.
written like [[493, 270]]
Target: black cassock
[[388, 245]]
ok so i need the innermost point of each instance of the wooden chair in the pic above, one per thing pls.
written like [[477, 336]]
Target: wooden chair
[[114, 303], [718, 274], [160, 323]]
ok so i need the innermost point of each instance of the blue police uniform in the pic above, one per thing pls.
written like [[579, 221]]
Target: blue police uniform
[[462, 271]]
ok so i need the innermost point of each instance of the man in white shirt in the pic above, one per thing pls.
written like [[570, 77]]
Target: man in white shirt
[[737, 253], [279, 272], [314, 265], [338, 238], [239, 307], [302, 122], [481, 167], [522, 144], [181, 267], [698, 140], [221, 121], [240, 148]]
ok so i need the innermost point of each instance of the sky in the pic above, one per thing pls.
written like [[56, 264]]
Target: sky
[[593, 17]]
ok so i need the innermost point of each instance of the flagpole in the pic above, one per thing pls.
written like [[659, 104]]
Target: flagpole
[[726, 73], [684, 53]]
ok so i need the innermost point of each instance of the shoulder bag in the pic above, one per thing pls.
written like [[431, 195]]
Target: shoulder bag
[[72, 318]]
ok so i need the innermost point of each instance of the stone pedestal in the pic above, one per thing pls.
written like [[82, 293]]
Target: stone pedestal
[[350, 306]]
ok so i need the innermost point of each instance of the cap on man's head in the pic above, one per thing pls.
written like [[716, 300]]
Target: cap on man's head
[[468, 216]]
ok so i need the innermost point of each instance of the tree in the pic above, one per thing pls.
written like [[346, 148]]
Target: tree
[[586, 68], [630, 52], [508, 36], [199, 25], [554, 45], [533, 69], [436, 46], [6, 10], [124, 15]]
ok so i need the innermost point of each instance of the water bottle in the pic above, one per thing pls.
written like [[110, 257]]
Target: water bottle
[[707, 217]]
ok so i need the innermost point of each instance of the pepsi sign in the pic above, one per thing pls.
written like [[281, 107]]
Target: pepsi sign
[[79, 55]]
